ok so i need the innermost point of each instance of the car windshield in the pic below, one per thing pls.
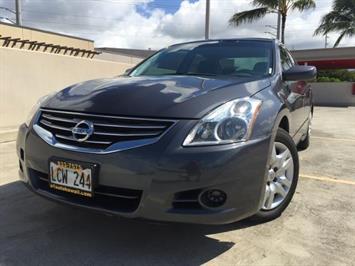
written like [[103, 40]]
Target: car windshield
[[215, 58]]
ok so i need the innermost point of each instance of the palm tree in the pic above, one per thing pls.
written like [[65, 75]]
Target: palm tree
[[264, 7], [341, 19]]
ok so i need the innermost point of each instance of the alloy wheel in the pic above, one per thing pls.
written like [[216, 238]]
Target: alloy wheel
[[280, 176]]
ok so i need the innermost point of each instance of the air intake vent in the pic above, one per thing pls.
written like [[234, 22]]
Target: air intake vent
[[107, 130]]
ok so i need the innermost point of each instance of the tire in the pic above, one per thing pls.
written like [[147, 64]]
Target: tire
[[283, 139], [304, 144]]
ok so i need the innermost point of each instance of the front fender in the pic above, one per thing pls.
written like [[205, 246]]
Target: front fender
[[272, 111]]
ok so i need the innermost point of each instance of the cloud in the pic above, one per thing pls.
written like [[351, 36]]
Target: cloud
[[137, 24]]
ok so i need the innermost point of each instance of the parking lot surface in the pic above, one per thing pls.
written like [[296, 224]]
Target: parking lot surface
[[318, 228]]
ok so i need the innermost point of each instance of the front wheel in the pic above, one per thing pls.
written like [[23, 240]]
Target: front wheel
[[282, 178]]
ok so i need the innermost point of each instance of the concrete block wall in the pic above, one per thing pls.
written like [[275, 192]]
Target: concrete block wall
[[119, 58], [337, 94], [25, 76], [25, 33]]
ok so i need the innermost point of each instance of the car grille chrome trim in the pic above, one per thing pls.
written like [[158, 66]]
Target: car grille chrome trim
[[88, 141], [126, 135], [75, 121], [111, 133], [50, 117], [49, 124], [127, 126], [106, 116]]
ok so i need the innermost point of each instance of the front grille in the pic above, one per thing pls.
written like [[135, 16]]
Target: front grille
[[107, 129], [105, 197]]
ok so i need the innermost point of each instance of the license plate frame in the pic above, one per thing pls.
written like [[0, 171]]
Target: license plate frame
[[70, 165]]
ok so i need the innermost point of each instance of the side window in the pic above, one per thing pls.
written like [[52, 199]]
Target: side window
[[286, 61]]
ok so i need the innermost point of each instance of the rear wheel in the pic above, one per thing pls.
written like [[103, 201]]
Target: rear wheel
[[282, 178]]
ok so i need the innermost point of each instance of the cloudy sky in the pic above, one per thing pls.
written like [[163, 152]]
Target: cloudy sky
[[158, 23]]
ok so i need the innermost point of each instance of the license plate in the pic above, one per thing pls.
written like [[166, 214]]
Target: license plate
[[71, 177]]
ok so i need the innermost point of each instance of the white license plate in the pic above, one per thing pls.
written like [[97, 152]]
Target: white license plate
[[71, 177]]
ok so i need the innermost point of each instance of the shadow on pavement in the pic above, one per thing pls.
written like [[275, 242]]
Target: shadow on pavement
[[36, 231]]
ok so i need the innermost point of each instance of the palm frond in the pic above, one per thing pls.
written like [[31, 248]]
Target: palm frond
[[339, 39], [266, 3], [344, 5], [249, 16], [340, 19], [335, 21], [303, 4]]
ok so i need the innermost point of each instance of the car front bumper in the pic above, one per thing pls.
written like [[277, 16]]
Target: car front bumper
[[163, 180]]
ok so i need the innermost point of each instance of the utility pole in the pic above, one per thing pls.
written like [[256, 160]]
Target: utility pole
[[207, 22], [18, 12], [278, 35], [326, 41]]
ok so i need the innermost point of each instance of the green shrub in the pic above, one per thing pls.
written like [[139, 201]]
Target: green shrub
[[336, 76]]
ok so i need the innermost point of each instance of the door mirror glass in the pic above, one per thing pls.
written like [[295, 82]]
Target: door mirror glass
[[297, 72]]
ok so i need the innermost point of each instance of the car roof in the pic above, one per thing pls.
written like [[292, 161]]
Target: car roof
[[226, 40]]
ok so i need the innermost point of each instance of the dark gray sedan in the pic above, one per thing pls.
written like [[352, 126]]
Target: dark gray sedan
[[200, 132]]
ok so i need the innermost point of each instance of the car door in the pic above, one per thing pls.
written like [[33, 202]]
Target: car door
[[294, 93], [303, 88]]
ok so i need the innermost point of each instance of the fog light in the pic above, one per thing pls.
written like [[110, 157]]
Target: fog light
[[213, 198]]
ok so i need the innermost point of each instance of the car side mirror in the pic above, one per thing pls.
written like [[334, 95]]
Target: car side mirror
[[298, 72]]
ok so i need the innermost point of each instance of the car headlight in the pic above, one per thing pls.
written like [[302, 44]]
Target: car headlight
[[34, 110], [229, 123]]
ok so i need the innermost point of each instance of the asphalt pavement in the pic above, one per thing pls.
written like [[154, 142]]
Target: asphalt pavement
[[318, 228]]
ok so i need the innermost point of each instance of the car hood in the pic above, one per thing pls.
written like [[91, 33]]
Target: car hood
[[164, 97]]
